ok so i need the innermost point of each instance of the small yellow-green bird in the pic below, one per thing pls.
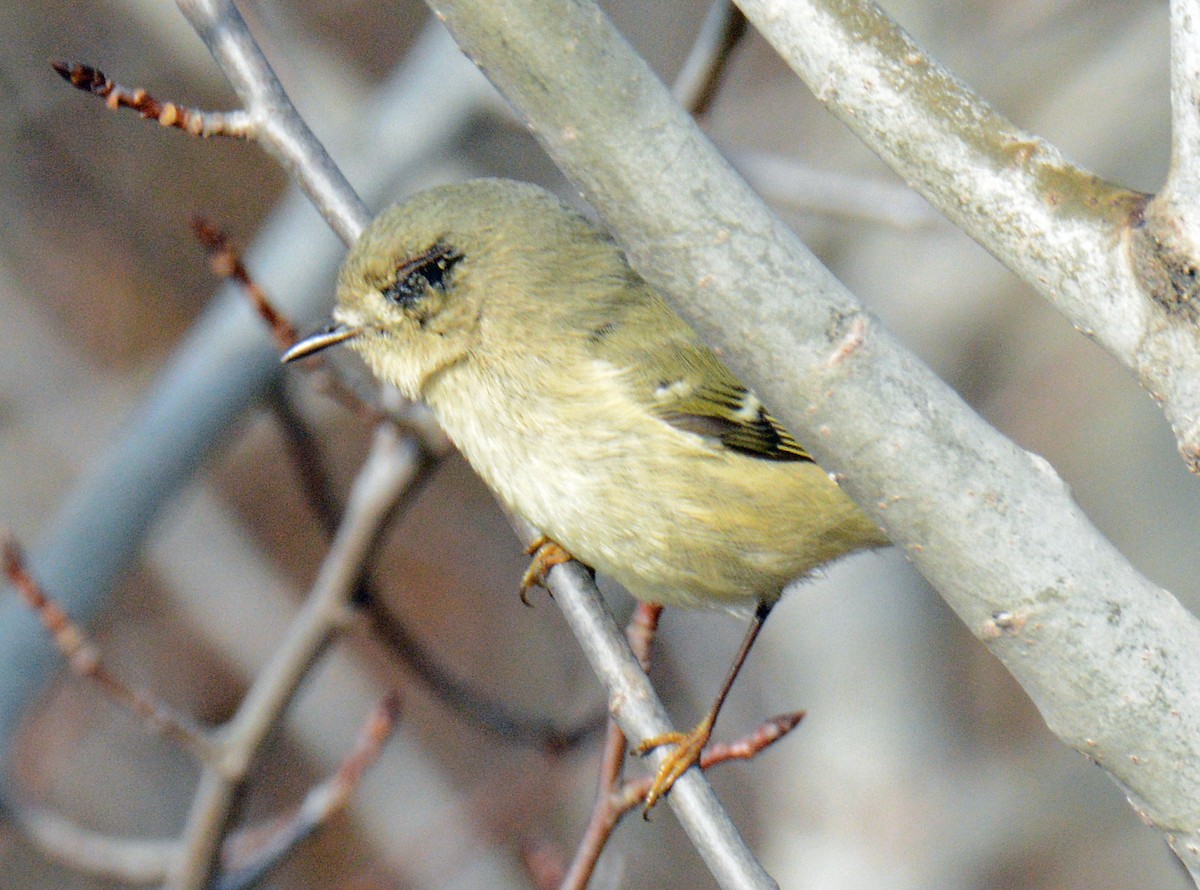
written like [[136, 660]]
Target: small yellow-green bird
[[589, 407]]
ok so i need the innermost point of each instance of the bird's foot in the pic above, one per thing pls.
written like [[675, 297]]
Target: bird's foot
[[688, 748], [546, 555]]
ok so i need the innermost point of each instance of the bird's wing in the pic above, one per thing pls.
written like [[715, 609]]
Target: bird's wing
[[682, 381], [714, 404]]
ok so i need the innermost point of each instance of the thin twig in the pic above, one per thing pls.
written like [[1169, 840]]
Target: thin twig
[[636, 707], [251, 854], [84, 658], [227, 263], [472, 706], [543, 863], [633, 793], [130, 861], [278, 126], [232, 124], [385, 475], [641, 632]]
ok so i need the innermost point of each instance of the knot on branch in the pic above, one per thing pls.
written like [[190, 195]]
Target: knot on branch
[[1168, 267]]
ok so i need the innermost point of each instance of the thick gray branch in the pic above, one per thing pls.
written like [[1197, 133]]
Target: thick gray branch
[[1185, 95], [1079, 241], [1111, 660]]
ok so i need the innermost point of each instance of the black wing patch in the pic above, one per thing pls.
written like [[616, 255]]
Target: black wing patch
[[746, 427]]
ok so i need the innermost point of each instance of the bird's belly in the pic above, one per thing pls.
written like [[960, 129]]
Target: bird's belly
[[700, 540], [682, 523]]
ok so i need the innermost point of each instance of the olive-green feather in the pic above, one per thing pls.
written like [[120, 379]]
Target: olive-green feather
[[681, 380]]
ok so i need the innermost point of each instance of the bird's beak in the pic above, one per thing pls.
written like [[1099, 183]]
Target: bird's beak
[[314, 343]]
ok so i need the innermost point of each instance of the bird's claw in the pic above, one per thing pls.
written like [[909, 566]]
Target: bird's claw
[[688, 748], [546, 554]]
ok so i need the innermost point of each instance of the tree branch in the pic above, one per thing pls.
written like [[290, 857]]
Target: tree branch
[[1185, 96], [131, 861], [635, 705], [1089, 247], [1110, 659], [221, 368], [386, 474], [278, 127]]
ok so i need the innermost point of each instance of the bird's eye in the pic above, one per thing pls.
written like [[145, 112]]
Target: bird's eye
[[417, 276]]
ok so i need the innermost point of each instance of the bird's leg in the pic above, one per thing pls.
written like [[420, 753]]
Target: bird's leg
[[689, 745], [546, 555]]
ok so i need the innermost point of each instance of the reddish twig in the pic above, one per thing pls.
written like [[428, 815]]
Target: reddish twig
[[83, 657], [233, 124], [641, 633], [252, 852], [226, 262], [633, 793], [613, 799], [543, 863]]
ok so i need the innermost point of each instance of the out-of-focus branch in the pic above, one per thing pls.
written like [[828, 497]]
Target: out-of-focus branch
[[790, 182], [222, 367], [433, 841], [83, 655], [699, 78], [384, 476], [130, 861], [1111, 660], [226, 262], [321, 803], [1112, 266]]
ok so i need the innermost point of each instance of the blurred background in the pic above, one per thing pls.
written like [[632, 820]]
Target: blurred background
[[921, 763]]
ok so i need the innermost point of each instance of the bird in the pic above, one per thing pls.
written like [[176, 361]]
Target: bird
[[590, 408]]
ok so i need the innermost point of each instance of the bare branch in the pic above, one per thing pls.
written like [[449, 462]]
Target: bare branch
[[641, 632], [319, 805], [387, 472], [1110, 659], [634, 793], [614, 800], [226, 262], [140, 861], [636, 707], [699, 79], [1185, 97], [1090, 247], [84, 658], [233, 124], [798, 186], [278, 126]]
